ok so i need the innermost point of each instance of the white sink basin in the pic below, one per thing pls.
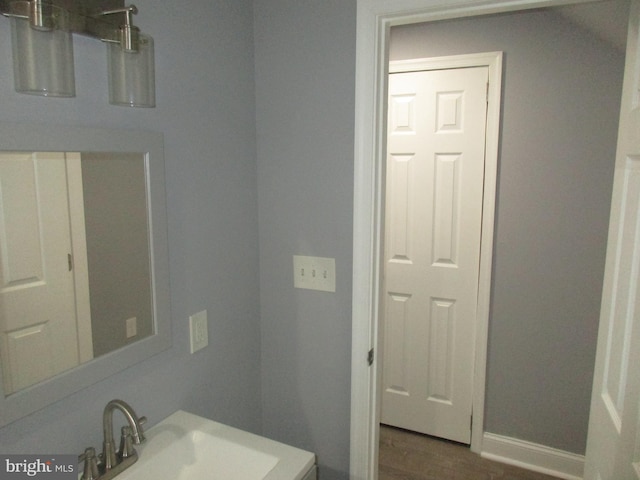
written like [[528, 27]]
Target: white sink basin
[[188, 447]]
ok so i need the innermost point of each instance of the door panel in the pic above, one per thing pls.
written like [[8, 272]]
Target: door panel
[[435, 175], [37, 299], [613, 444]]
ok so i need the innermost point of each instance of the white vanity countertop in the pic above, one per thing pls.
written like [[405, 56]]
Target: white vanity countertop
[[186, 446]]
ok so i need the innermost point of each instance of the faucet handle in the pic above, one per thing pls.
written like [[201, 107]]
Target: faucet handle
[[90, 460], [140, 438], [126, 443]]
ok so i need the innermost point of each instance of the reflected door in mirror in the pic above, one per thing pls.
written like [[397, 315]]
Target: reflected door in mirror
[[44, 319]]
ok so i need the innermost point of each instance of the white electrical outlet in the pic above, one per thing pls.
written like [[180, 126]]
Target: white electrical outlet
[[314, 273], [198, 331], [131, 326]]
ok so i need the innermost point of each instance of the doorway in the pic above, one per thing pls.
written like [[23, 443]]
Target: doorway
[[385, 19]]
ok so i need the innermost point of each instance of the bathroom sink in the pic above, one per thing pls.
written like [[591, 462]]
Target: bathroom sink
[[188, 447]]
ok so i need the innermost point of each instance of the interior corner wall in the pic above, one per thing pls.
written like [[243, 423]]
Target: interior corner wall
[[305, 70], [561, 97], [206, 111]]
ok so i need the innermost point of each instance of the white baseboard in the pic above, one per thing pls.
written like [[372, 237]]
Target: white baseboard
[[532, 456]]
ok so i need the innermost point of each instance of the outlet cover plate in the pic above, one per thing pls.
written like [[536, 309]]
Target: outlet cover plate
[[198, 331], [131, 326]]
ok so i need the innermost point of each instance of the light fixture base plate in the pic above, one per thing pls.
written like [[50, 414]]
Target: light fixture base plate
[[86, 18]]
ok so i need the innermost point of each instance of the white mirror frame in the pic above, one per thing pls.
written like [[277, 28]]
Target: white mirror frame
[[28, 137]]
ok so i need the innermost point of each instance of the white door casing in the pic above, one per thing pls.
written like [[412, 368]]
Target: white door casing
[[613, 442], [435, 180]]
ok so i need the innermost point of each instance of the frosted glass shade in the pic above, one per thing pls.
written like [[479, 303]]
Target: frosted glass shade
[[132, 74], [43, 58]]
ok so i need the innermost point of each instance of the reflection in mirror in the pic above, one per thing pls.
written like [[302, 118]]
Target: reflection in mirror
[[74, 260], [117, 249]]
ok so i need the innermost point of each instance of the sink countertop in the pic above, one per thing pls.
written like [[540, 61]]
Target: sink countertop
[[185, 446]]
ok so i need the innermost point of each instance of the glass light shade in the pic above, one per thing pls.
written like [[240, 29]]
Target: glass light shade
[[43, 57], [132, 74]]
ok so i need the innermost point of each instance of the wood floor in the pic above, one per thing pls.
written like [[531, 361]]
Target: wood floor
[[411, 456]]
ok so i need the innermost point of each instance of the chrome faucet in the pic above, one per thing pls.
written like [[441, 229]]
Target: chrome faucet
[[111, 462], [109, 457]]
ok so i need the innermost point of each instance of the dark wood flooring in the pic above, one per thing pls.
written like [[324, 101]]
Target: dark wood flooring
[[411, 456]]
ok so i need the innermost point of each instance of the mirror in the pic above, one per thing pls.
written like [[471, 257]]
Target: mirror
[[74, 260], [91, 296]]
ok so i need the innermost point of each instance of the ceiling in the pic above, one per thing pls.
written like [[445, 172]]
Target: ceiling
[[607, 19]]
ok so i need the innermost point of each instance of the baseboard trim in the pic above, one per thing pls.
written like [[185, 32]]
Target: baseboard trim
[[532, 456]]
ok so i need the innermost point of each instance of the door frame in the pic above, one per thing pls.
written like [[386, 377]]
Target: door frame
[[493, 62], [374, 20], [80, 262]]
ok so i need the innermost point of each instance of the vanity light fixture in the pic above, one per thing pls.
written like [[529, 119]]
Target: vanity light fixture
[[43, 47]]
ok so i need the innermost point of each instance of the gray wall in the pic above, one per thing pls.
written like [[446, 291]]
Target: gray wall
[[117, 235], [305, 64], [205, 96], [561, 96]]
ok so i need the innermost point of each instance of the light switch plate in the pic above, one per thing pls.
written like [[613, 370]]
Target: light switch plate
[[314, 273], [198, 331]]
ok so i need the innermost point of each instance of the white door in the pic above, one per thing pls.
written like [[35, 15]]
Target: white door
[[613, 444], [38, 328], [433, 216]]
